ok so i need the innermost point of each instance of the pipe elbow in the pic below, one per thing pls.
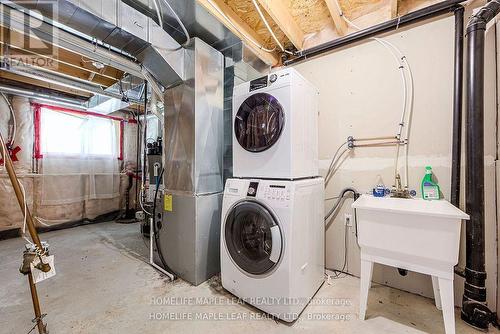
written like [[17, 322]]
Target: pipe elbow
[[479, 20]]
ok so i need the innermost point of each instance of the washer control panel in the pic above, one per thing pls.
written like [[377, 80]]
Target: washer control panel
[[277, 192]]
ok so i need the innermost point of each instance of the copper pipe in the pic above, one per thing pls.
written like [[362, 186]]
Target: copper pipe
[[36, 306], [31, 228], [9, 166], [380, 144], [375, 138]]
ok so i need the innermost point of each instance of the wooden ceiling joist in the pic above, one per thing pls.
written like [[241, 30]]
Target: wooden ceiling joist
[[394, 8], [240, 28], [340, 23], [280, 13]]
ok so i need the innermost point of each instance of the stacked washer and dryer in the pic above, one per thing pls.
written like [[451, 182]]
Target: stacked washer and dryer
[[272, 236]]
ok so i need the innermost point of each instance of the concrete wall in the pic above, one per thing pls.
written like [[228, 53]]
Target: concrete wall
[[361, 96]]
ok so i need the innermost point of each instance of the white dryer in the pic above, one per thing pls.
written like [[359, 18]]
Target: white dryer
[[272, 243], [275, 127]]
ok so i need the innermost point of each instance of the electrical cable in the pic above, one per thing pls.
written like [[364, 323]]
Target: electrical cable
[[250, 39], [11, 137], [330, 213], [263, 18], [158, 13], [155, 230], [186, 33]]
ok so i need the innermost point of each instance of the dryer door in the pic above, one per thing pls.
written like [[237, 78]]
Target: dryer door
[[259, 122], [253, 238]]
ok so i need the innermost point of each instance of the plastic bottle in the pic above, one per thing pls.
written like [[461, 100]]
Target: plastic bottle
[[430, 189]]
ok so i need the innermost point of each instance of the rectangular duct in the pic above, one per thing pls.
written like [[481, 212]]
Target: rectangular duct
[[122, 27]]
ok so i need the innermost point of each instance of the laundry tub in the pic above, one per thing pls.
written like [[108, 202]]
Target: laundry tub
[[412, 234]]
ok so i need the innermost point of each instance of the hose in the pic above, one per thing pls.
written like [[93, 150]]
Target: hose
[[155, 230], [340, 199]]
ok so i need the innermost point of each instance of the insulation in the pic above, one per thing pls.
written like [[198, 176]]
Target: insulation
[[10, 214], [246, 10], [311, 16], [61, 211]]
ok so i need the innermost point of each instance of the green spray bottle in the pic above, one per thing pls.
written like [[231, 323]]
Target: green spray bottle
[[430, 189]]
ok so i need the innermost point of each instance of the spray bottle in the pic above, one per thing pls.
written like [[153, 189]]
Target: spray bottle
[[430, 189]]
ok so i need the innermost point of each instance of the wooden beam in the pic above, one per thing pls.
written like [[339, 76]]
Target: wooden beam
[[394, 8], [240, 28], [340, 23], [281, 14]]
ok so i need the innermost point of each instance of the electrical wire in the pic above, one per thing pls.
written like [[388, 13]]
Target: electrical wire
[[250, 39], [263, 18], [337, 204], [10, 141], [186, 33], [158, 13], [155, 231]]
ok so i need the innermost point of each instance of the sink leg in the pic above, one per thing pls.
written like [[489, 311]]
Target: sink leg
[[448, 304], [437, 295], [366, 278]]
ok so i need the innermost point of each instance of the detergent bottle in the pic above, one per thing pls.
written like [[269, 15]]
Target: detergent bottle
[[430, 189]]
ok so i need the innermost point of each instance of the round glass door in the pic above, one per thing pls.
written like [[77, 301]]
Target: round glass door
[[259, 122], [253, 238]]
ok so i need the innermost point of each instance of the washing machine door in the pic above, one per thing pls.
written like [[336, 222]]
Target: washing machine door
[[259, 122], [253, 238]]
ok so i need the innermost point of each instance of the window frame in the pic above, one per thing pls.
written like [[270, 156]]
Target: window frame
[[37, 110]]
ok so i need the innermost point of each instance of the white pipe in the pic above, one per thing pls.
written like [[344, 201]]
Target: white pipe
[[221, 13], [186, 33], [158, 13], [263, 18], [407, 98]]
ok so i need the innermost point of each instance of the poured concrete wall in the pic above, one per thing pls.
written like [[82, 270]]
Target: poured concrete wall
[[361, 96]]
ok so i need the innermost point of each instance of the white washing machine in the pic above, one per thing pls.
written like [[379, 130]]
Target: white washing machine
[[272, 243], [275, 127]]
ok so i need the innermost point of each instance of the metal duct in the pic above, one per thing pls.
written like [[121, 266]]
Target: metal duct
[[130, 88], [123, 27], [200, 23], [45, 98]]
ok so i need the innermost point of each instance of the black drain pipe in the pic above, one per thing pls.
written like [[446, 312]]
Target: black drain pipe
[[437, 9], [456, 151], [475, 311]]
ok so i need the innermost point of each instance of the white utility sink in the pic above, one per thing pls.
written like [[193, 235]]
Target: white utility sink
[[412, 234]]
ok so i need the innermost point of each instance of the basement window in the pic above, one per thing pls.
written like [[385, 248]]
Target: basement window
[[78, 134]]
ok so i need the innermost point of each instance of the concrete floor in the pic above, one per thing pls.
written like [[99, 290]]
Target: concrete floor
[[103, 285]]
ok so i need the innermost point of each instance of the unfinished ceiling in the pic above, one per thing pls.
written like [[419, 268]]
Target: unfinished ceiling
[[301, 24]]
